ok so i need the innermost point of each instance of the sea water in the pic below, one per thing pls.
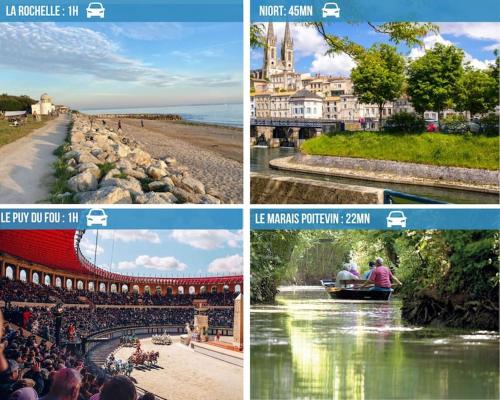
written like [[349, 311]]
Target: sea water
[[223, 114]]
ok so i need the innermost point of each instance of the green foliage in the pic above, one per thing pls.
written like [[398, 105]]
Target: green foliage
[[106, 167], [270, 253], [257, 36], [489, 125], [456, 123], [422, 148], [379, 75], [15, 103], [434, 79], [478, 92], [409, 33], [404, 122]]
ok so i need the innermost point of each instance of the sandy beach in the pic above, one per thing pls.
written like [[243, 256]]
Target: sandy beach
[[214, 154], [185, 374]]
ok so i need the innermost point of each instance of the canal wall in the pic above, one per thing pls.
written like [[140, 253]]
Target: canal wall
[[478, 180], [291, 190]]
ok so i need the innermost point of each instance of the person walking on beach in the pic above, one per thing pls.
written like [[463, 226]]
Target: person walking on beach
[[142, 123], [119, 125]]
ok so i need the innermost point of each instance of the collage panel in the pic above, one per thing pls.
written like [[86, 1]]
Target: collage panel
[[380, 307], [344, 110], [104, 303], [122, 106]]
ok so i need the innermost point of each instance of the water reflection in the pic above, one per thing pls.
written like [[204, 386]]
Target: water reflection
[[260, 157], [309, 346]]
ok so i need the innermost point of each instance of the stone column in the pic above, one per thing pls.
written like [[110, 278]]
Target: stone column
[[238, 323]]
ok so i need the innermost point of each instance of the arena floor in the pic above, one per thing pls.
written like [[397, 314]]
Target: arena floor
[[185, 374]]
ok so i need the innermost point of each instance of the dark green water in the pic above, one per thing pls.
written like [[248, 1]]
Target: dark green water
[[311, 347], [260, 157]]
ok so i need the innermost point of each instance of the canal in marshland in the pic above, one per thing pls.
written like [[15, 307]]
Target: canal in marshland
[[308, 346], [260, 157]]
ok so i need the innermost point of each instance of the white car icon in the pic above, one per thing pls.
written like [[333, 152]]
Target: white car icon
[[95, 9], [331, 10], [396, 218], [97, 216]]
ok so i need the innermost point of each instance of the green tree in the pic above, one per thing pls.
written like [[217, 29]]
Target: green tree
[[257, 36], [478, 92], [379, 76], [433, 79]]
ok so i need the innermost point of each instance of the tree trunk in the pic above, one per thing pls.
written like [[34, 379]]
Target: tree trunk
[[380, 120]]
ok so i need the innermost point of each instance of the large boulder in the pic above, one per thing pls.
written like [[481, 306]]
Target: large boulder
[[184, 196], [106, 195], [193, 185], [91, 167], [83, 182], [156, 198], [156, 173], [165, 185], [70, 155], [85, 157], [129, 183], [140, 157]]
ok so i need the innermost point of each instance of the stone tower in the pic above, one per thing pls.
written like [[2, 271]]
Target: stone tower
[[270, 58], [287, 50]]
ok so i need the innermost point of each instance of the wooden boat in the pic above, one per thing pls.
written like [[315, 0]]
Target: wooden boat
[[355, 292]]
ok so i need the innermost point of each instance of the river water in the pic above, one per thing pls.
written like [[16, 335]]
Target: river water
[[260, 157], [308, 346]]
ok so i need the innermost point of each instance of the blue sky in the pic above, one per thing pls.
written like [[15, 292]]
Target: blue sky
[[110, 65], [477, 39], [166, 252]]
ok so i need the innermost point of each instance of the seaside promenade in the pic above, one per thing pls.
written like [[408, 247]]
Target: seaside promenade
[[26, 164]]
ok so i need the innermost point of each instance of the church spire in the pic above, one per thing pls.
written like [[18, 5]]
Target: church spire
[[287, 50], [271, 39]]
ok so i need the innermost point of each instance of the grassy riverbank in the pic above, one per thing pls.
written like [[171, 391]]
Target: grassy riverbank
[[425, 148], [9, 134]]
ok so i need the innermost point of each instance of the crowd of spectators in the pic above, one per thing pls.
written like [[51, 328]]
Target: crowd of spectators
[[19, 291], [41, 320], [31, 370]]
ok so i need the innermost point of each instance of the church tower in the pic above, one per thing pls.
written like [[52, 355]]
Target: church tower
[[270, 58], [287, 50]]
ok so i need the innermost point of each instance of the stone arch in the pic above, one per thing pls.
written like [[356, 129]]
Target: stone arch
[[113, 288], [158, 290], [213, 290], [47, 280], [58, 282], [180, 290], [170, 291], [69, 284], [124, 288], [192, 290], [91, 286], [9, 272], [23, 275], [79, 285], [147, 289], [203, 290], [102, 287], [135, 289], [237, 288], [307, 133], [35, 278]]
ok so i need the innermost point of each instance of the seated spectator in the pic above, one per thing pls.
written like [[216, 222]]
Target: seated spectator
[[118, 387], [65, 386]]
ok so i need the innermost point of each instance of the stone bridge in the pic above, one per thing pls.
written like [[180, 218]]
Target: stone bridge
[[276, 132]]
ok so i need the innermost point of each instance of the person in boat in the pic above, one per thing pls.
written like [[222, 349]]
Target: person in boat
[[354, 269], [344, 275], [381, 277], [371, 266]]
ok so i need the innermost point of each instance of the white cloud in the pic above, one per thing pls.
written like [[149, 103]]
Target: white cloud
[[308, 42], [487, 31], [148, 30], [229, 265], [156, 263], [89, 249], [431, 40], [208, 239], [128, 236], [338, 64], [73, 51]]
